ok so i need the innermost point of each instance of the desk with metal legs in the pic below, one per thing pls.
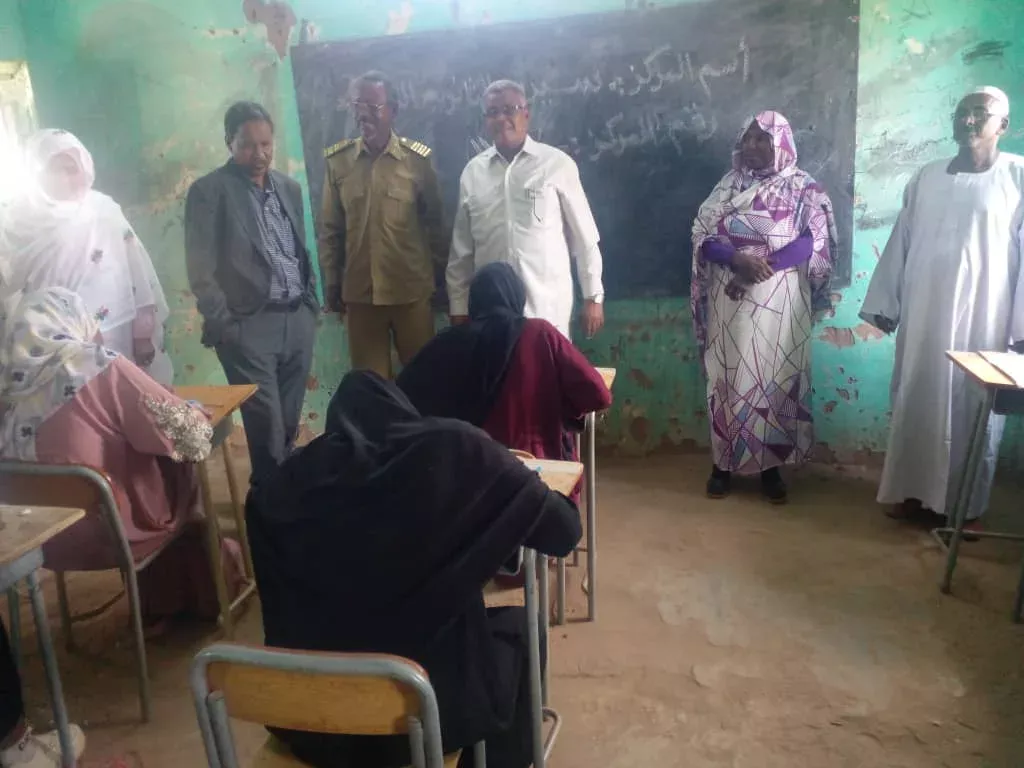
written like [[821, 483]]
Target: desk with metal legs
[[1001, 394], [587, 449]]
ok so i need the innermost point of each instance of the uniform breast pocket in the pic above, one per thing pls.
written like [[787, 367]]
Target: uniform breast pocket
[[352, 196], [400, 203]]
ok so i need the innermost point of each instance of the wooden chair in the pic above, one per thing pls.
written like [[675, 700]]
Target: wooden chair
[[341, 693], [522, 454], [82, 487]]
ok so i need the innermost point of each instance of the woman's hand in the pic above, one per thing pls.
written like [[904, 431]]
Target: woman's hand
[[736, 289], [750, 266], [144, 352]]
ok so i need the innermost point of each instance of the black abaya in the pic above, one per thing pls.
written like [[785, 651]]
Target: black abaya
[[379, 537]]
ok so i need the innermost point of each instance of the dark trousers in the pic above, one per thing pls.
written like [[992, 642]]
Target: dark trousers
[[272, 349], [512, 748], [12, 708]]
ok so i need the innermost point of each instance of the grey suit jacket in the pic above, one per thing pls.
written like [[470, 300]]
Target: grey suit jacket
[[228, 266]]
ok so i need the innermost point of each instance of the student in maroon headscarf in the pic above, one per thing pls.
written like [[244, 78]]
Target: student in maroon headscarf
[[518, 379]]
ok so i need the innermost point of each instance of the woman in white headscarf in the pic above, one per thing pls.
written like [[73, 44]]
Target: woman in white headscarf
[[63, 233]]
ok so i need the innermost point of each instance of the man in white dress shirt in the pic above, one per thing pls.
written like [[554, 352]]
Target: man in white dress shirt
[[522, 202], [950, 278]]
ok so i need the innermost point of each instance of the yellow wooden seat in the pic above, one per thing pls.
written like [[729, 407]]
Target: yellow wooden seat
[[339, 693], [275, 754]]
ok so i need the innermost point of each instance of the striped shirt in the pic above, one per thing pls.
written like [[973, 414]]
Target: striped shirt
[[279, 241]]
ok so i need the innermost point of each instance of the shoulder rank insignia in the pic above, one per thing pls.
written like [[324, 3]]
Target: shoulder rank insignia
[[336, 148], [418, 147]]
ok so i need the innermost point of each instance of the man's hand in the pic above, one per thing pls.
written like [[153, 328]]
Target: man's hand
[[593, 318], [458, 319], [751, 267], [884, 324], [332, 300], [144, 352]]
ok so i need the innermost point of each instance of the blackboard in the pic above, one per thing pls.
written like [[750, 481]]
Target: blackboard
[[649, 103]]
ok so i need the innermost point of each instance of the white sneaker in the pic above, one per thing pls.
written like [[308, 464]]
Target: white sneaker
[[41, 750]]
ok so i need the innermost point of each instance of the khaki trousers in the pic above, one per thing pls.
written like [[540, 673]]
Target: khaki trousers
[[371, 328]]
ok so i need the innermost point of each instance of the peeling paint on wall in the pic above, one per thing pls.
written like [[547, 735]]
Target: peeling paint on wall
[[177, 65], [276, 16]]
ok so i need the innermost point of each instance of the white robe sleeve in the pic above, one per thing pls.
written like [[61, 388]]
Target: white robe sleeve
[[1017, 311], [885, 291]]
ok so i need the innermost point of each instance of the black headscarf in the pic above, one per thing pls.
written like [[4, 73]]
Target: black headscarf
[[459, 374]]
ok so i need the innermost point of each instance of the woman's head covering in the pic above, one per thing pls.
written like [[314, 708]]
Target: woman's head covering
[[40, 151], [765, 211], [47, 355], [496, 290], [84, 244], [459, 374], [384, 529], [783, 145]]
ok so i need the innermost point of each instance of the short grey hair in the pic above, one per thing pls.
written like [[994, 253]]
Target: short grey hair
[[500, 86], [376, 77]]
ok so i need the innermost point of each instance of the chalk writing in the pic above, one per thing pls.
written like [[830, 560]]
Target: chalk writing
[[662, 66], [655, 128]]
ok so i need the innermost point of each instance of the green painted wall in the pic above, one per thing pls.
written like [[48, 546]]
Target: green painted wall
[[12, 44], [145, 85]]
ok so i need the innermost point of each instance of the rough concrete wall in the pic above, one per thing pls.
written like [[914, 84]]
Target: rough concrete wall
[[146, 83]]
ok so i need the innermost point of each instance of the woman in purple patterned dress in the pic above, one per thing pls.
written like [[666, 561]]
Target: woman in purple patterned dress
[[762, 261]]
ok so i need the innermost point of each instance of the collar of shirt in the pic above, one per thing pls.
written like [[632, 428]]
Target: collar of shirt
[[393, 148], [529, 148]]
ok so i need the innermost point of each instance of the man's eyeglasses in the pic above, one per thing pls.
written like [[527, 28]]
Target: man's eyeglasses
[[509, 110], [365, 106], [977, 114]]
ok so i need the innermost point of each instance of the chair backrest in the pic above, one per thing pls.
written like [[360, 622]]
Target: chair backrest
[[341, 693], [54, 485]]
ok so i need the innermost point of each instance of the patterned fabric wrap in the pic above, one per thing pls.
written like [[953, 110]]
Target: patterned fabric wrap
[[46, 357], [766, 211], [756, 346]]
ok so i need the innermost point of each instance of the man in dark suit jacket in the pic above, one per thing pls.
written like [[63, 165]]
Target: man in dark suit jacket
[[249, 268]]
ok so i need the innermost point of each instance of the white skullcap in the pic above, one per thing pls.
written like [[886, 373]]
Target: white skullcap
[[1001, 102]]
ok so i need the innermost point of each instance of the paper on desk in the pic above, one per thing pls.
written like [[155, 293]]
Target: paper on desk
[[1010, 364]]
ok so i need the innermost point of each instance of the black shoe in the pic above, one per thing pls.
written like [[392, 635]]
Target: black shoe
[[773, 487], [719, 484]]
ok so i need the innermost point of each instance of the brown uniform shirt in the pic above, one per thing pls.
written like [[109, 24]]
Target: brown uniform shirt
[[382, 225]]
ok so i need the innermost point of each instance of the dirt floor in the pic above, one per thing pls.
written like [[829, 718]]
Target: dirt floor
[[730, 634]]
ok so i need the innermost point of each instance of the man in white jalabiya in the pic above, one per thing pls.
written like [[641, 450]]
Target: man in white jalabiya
[[62, 233], [522, 202], [950, 279]]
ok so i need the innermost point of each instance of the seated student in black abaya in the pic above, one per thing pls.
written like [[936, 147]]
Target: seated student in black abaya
[[379, 536]]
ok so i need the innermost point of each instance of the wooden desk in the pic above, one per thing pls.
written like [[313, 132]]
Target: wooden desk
[[23, 531], [560, 476], [980, 373], [608, 376], [221, 401]]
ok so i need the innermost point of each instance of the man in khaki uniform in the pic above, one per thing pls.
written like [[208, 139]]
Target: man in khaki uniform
[[382, 233]]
